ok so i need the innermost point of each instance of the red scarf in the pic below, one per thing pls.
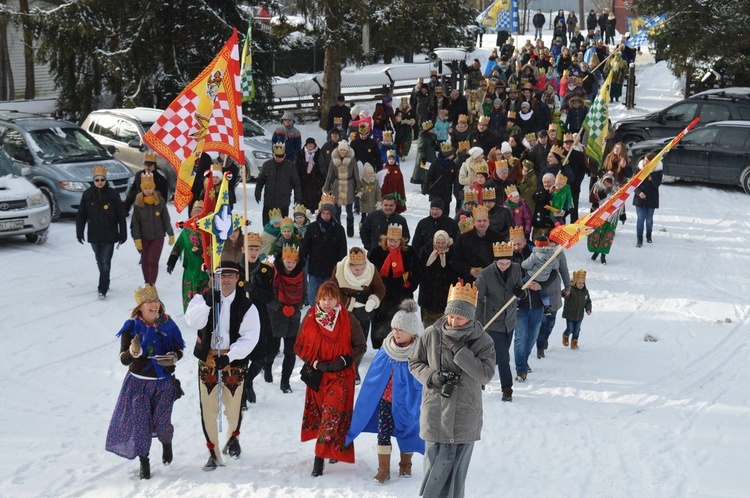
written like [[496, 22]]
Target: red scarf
[[314, 342], [393, 262], [289, 289]]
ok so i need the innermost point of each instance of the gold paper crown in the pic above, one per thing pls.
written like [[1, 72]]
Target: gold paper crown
[[433, 72], [484, 120], [561, 179], [363, 128], [149, 157], [552, 127], [579, 276], [300, 208], [501, 164], [483, 168], [480, 209], [489, 194], [463, 118], [466, 224], [531, 137], [147, 180], [100, 171], [145, 293], [512, 88], [556, 149], [511, 115], [569, 137], [338, 121], [438, 89], [502, 249], [394, 231], [427, 125], [528, 86], [446, 146], [510, 189], [470, 195], [516, 233], [327, 199], [464, 146], [357, 258], [286, 222], [290, 251], [387, 134], [279, 149], [390, 153], [274, 213], [467, 293], [253, 239]]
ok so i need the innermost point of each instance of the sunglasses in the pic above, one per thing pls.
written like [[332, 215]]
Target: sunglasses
[[97, 180]]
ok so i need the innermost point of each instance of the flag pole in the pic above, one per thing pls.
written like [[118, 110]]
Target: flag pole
[[246, 225]]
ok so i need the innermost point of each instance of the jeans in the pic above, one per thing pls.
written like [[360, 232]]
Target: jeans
[[313, 284], [645, 215], [103, 253], [537, 33], [573, 328], [527, 329], [502, 342], [548, 323]]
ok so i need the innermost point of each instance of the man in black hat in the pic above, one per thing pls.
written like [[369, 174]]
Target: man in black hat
[[279, 177], [339, 115], [225, 350], [437, 220]]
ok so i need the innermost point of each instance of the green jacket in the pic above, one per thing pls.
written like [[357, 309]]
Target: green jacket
[[576, 303]]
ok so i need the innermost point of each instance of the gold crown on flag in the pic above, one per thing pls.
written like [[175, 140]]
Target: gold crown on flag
[[483, 168], [467, 293], [480, 209], [147, 181], [510, 189], [145, 293], [394, 231], [516, 233], [511, 115], [388, 134], [485, 120], [253, 239], [274, 213], [470, 195], [579, 276], [446, 146], [489, 194], [149, 157], [427, 125], [464, 146], [466, 224], [463, 118], [502, 250], [100, 171], [290, 251], [561, 179], [357, 257], [279, 149]]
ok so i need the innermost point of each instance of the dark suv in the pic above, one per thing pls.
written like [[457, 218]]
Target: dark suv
[[716, 153], [711, 106]]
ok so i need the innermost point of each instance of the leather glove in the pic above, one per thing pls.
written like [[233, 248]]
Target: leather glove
[[169, 360], [436, 380], [171, 240], [453, 344], [518, 291], [212, 297], [171, 262], [222, 362], [80, 240], [322, 365], [135, 347], [138, 244], [336, 365], [370, 305]]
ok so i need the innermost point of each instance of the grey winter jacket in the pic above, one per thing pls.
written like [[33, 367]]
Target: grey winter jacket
[[494, 292], [559, 279], [458, 419], [279, 180]]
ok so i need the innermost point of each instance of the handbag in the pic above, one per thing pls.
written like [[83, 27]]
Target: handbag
[[311, 376]]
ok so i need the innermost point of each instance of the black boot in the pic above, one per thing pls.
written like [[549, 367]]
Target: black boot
[[508, 394], [639, 242], [349, 227], [267, 374], [318, 465], [233, 447], [594, 256], [648, 238], [145, 468], [248, 392], [166, 453], [604, 259], [287, 367]]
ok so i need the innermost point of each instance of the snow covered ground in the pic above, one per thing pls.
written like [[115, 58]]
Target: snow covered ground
[[620, 418]]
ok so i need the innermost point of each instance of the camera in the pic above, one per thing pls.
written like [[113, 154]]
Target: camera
[[451, 381]]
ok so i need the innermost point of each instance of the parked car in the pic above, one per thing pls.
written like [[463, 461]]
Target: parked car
[[257, 145], [24, 209], [716, 153], [710, 106], [124, 129], [57, 156]]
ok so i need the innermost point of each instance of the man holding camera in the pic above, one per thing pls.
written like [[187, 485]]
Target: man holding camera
[[452, 359]]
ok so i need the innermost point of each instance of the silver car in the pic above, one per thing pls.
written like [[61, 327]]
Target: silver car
[[24, 209]]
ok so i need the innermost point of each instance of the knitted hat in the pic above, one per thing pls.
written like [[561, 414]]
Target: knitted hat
[[541, 241], [437, 203], [407, 318], [505, 147], [475, 152], [462, 300], [343, 145], [288, 115]]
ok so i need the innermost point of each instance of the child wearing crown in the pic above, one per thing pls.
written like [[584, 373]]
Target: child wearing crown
[[287, 236], [149, 225], [541, 253], [386, 146], [189, 248], [576, 303], [371, 193], [561, 200], [442, 126], [285, 310], [393, 182], [519, 210]]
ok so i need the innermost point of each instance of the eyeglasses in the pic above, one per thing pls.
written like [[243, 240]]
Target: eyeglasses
[[97, 180]]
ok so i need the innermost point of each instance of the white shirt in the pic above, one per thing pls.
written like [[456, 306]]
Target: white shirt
[[196, 316]]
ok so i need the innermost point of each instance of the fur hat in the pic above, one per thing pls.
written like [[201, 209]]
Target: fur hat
[[343, 145], [407, 318]]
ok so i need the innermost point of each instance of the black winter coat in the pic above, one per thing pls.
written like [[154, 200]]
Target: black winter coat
[[279, 180], [323, 248], [650, 187], [440, 179], [311, 183], [591, 22], [104, 212], [435, 280], [472, 251], [260, 289], [376, 224], [427, 227]]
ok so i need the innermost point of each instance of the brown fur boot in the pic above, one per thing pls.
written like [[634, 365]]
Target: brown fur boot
[[384, 464], [404, 466], [565, 340], [574, 344]]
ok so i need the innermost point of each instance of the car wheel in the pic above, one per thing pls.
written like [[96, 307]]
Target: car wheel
[[631, 140], [54, 207], [745, 180], [38, 238]]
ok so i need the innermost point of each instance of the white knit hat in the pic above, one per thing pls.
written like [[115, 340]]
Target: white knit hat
[[407, 318], [505, 147]]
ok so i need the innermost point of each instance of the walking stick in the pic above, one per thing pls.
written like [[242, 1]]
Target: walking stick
[[525, 286]]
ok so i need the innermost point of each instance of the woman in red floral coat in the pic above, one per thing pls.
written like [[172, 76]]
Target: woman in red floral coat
[[330, 341]]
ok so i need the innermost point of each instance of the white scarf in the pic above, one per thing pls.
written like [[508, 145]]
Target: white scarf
[[435, 254], [526, 115], [309, 155], [357, 282], [396, 352]]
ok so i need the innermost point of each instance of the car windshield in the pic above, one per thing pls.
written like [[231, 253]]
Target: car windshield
[[251, 128], [6, 165], [61, 144]]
